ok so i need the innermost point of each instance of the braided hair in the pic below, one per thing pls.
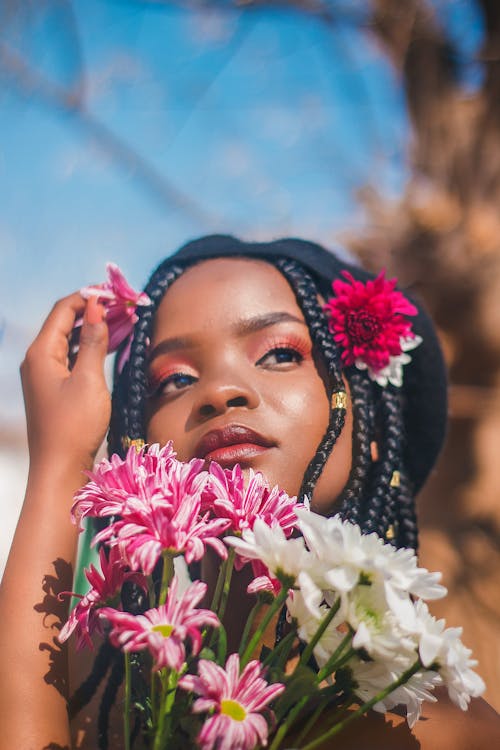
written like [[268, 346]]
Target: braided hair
[[378, 495]]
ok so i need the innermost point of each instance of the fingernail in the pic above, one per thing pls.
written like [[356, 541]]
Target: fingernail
[[94, 312]]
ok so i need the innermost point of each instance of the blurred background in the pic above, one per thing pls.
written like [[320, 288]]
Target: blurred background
[[129, 127]]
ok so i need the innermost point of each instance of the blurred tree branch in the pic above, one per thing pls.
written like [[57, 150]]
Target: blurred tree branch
[[29, 81]]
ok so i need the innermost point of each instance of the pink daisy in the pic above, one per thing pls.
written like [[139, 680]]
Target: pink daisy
[[163, 631], [237, 702], [105, 585], [121, 303], [367, 320], [114, 484]]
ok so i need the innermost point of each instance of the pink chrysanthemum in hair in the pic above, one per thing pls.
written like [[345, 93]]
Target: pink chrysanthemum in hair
[[115, 484], [237, 702], [368, 321], [173, 522], [105, 585], [121, 303], [163, 631]]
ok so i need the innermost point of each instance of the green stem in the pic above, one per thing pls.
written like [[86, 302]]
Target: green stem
[[364, 708], [161, 719], [166, 576], [279, 655], [331, 665], [287, 723], [227, 583], [169, 679], [345, 658], [248, 625], [221, 645], [273, 608], [312, 721], [128, 700], [307, 653], [218, 586], [154, 715], [169, 701]]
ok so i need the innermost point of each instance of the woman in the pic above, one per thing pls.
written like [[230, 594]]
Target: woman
[[233, 361]]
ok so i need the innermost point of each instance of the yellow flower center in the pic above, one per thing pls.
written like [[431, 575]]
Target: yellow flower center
[[233, 709], [165, 630]]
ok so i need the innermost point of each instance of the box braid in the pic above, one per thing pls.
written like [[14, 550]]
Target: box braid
[[307, 298], [406, 518], [129, 393], [368, 499], [363, 408], [379, 512]]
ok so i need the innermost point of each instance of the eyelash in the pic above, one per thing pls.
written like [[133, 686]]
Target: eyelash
[[157, 387], [296, 347]]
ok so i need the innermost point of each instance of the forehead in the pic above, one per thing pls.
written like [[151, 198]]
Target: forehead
[[220, 290]]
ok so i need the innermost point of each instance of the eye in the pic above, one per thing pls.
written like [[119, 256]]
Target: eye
[[280, 355], [172, 384]]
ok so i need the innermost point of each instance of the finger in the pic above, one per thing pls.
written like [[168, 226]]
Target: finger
[[93, 339], [54, 333]]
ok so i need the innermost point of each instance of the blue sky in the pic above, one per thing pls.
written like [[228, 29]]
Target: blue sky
[[267, 122], [255, 122]]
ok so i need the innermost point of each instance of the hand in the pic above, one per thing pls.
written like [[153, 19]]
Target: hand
[[67, 411]]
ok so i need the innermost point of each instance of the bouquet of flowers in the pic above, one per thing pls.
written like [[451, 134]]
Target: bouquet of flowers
[[356, 621]]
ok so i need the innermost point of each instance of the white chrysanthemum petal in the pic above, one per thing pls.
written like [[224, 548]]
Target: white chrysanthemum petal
[[429, 647], [393, 372]]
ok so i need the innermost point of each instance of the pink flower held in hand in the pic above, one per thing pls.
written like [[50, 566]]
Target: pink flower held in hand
[[84, 617], [237, 701], [163, 631], [121, 303], [368, 321]]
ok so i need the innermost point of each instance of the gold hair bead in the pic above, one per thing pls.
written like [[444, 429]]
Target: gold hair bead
[[390, 533], [339, 400], [138, 443], [395, 479]]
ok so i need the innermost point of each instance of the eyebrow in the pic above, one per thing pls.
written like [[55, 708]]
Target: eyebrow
[[242, 327]]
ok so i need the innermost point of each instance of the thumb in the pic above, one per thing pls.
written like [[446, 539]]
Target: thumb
[[93, 338]]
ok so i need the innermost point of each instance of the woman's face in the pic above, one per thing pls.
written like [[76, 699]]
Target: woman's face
[[233, 378]]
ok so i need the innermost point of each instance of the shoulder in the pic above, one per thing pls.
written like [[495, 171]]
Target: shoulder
[[442, 726]]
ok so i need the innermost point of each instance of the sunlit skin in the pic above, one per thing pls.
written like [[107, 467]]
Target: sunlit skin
[[262, 377], [231, 347]]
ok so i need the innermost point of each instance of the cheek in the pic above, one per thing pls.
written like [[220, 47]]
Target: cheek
[[306, 406], [163, 426], [336, 470]]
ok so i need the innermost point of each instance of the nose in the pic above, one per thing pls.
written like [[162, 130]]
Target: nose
[[222, 390]]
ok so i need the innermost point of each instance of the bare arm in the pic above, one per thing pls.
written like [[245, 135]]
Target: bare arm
[[67, 416]]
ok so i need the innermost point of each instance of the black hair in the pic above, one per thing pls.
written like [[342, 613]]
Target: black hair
[[373, 496], [378, 495]]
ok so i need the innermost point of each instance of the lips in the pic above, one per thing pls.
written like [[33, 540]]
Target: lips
[[231, 444]]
